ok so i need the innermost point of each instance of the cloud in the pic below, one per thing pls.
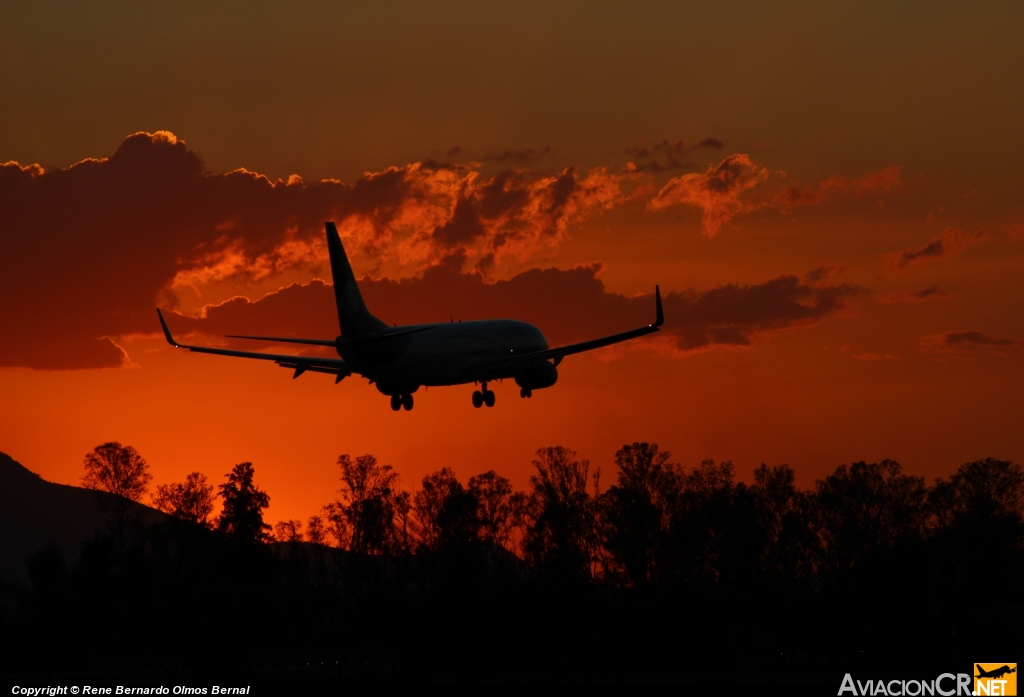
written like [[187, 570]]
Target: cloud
[[87, 251], [886, 179], [920, 296], [882, 181], [949, 242], [568, 305], [667, 155], [825, 272], [963, 345], [720, 192], [733, 187]]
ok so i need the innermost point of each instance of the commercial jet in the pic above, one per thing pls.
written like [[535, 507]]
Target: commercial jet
[[400, 360]]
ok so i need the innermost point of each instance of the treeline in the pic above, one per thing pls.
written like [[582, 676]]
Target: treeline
[[665, 571]]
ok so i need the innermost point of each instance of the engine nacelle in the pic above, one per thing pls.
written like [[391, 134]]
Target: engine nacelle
[[537, 375]]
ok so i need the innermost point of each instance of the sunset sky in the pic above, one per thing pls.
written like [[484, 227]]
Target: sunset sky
[[831, 197]]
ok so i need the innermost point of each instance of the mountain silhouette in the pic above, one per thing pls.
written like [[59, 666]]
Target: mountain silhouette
[[35, 513]]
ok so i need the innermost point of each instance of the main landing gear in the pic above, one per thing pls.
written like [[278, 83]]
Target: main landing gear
[[482, 397], [399, 401]]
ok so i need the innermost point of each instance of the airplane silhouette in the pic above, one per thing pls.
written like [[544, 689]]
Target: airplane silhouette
[[399, 360], [995, 672]]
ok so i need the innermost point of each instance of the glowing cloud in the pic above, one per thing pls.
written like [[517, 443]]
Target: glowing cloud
[[720, 192]]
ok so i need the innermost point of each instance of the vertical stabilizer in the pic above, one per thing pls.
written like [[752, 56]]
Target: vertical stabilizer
[[353, 316]]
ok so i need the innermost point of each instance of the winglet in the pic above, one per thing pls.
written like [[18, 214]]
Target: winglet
[[660, 317], [167, 332]]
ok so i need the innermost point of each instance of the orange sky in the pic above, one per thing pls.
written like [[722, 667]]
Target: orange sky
[[830, 198]]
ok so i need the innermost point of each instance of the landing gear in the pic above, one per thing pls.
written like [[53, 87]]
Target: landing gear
[[525, 393], [398, 401], [482, 397]]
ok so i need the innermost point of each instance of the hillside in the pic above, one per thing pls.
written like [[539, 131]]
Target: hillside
[[35, 512]]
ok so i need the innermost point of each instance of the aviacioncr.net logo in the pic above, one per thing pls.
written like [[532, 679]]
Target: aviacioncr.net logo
[[944, 685]]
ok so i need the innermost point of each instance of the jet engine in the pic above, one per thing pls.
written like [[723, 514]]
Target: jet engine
[[537, 375]]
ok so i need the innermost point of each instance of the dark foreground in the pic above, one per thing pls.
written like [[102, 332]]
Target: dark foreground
[[872, 573]]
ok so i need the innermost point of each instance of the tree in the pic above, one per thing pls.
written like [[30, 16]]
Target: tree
[[242, 515], [315, 532], [789, 547], [370, 502], [446, 514], [120, 471], [636, 513], [335, 524], [560, 538], [703, 529], [500, 510], [191, 500], [864, 509], [978, 519], [288, 531]]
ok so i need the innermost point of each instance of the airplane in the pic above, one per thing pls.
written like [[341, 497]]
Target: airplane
[[995, 672], [400, 360]]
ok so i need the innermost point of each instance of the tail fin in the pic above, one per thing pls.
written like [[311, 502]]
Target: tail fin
[[353, 316]]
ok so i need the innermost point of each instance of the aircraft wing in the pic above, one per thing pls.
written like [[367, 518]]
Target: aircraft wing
[[300, 364], [510, 364]]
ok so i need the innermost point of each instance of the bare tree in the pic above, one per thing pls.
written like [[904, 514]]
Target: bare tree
[[121, 472], [288, 531], [191, 500], [335, 524]]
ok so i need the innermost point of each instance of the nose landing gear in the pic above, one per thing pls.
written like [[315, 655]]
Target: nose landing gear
[[525, 393], [482, 397]]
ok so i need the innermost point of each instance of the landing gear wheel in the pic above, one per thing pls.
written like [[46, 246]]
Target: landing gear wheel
[[478, 399], [407, 402], [396, 402], [489, 398], [525, 393]]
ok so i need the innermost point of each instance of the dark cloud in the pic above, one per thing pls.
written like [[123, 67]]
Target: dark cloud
[[825, 272], [667, 155], [919, 296], [87, 251], [964, 345], [949, 242], [454, 150], [568, 305], [977, 339], [793, 196]]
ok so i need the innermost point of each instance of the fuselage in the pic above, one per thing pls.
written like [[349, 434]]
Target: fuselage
[[401, 359]]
